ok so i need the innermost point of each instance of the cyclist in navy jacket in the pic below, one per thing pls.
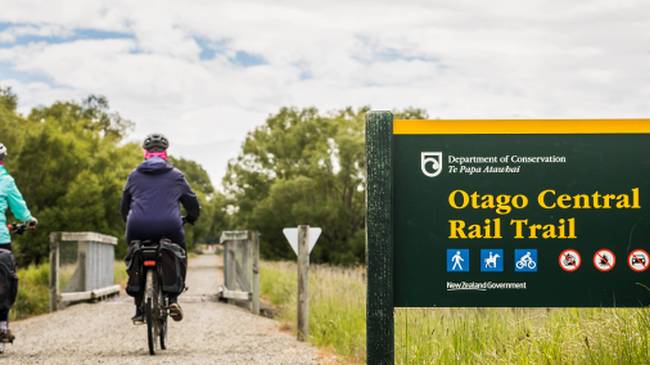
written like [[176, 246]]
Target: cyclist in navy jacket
[[150, 204]]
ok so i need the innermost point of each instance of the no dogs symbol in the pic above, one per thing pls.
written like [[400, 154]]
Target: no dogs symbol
[[604, 260]]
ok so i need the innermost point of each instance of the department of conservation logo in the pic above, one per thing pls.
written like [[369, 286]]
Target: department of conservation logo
[[431, 163]]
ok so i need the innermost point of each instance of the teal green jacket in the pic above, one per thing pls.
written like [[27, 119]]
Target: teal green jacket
[[10, 197]]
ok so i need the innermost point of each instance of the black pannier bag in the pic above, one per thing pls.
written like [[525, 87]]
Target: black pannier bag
[[173, 267], [8, 280], [135, 284]]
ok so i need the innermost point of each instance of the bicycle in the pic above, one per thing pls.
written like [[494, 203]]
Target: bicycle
[[155, 303], [529, 263]]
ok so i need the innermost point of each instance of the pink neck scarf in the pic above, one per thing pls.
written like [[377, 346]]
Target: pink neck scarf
[[149, 154]]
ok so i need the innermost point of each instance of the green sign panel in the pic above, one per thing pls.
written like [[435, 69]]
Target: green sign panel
[[544, 220], [527, 213]]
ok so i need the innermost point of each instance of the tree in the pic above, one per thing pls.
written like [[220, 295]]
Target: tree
[[71, 163], [8, 100], [304, 167], [71, 171], [213, 204], [12, 126]]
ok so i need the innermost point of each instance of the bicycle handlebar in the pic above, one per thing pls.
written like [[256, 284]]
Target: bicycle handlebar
[[20, 228]]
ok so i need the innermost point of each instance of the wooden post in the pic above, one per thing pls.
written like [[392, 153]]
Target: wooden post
[[303, 282], [379, 234], [255, 307], [54, 271], [85, 270], [230, 264]]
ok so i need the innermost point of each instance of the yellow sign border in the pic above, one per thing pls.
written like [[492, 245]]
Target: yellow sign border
[[522, 126]]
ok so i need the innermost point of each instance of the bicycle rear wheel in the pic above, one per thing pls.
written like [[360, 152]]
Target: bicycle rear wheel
[[151, 338], [150, 317], [163, 320], [163, 334]]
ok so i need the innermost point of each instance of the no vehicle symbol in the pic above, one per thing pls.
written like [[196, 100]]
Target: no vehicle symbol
[[638, 260], [604, 260], [570, 260]]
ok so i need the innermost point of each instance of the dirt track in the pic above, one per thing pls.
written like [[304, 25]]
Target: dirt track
[[211, 333]]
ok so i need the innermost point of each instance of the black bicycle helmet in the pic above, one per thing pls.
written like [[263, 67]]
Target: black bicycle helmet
[[155, 142], [3, 152]]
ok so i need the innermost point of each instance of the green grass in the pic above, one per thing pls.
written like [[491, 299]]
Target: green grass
[[459, 336], [336, 304], [33, 292], [523, 336], [33, 289], [120, 273]]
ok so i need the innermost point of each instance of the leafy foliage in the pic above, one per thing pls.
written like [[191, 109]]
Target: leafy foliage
[[70, 161], [213, 204], [304, 167]]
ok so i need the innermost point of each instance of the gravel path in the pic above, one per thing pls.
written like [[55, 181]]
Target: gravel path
[[211, 333]]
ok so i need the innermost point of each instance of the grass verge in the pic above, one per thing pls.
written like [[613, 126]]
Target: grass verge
[[463, 335], [33, 292], [33, 289], [336, 305]]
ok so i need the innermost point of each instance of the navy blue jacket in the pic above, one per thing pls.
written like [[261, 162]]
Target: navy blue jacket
[[150, 202]]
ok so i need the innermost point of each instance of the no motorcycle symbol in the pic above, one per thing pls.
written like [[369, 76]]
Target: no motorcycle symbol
[[604, 260], [638, 260]]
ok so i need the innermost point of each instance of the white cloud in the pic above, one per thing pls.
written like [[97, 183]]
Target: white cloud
[[461, 59]]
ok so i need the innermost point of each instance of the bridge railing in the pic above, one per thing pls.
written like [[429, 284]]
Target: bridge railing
[[81, 267], [241, 273]]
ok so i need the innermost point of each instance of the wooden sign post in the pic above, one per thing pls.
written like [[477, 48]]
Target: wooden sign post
[[303, 283], [302, 241]]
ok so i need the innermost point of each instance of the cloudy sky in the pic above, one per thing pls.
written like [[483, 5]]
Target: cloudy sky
[[206, 72]]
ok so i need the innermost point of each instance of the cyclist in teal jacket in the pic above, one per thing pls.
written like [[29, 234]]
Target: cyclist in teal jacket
[[10, 197]]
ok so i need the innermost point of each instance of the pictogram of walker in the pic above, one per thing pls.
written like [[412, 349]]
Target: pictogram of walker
[[457, 260]]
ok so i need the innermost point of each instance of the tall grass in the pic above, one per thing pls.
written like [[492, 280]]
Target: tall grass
[[33, 292], [120, 273], [460, 336], [523, 336], [33, 288], [336, 304]]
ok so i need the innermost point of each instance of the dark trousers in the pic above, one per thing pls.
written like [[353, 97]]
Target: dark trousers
[[4, 314], [154, 231]]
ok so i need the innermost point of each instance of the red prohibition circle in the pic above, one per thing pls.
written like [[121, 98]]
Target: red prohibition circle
[[629, 260], [597, 256], [577, 264]]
